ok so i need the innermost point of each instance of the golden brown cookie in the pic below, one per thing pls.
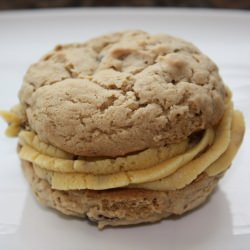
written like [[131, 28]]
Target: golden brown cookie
[[122, 93]]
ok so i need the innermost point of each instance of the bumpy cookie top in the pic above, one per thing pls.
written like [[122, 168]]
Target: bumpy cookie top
[[122, 93]]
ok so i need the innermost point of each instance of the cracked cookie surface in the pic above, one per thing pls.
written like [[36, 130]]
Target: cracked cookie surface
[[122, 93]]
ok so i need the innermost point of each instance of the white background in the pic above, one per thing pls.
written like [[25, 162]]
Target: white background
[[223, 223]]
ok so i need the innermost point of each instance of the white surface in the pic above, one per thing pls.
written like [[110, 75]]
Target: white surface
[[223, 223]]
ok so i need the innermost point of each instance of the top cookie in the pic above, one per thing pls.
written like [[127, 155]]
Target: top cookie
[[122, 93]]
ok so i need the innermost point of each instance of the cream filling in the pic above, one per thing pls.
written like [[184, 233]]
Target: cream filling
[[140, 178], [62, 180], [14, 123], [166, 168], [212, 161], [238, 129], [52, 158]]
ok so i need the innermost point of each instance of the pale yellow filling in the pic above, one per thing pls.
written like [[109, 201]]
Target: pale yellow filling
[[167, 168], [140, 178], [52, 158], [14, 123], [238, 129], [15, 117], [105, 181], [214, 161]]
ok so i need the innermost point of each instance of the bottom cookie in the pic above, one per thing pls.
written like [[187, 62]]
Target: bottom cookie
[[124, 206]]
